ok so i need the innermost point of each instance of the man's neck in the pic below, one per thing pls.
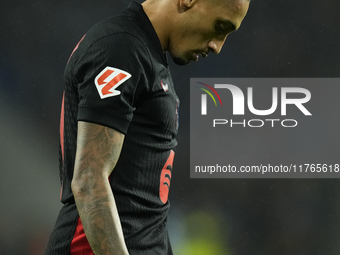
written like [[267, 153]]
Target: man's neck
[[157, 13]]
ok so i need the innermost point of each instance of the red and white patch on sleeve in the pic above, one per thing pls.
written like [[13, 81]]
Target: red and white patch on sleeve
[[108, 80]]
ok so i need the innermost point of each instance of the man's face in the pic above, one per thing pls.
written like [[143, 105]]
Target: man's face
[[204, 27]]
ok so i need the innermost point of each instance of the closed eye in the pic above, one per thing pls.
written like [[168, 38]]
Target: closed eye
[[219, 28], [224, 26]]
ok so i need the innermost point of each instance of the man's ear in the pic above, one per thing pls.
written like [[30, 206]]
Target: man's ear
[[186, 4]]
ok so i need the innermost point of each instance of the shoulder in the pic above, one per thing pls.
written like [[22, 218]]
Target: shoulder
[[115, 42], [114, 38], [112, 42], [120, 30]]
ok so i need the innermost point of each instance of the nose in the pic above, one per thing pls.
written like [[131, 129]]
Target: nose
[[215, 45]]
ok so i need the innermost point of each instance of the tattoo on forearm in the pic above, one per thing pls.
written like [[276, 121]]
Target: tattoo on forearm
[[98, 150]]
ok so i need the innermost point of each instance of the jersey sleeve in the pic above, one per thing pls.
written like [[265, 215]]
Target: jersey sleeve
[[110, 76]]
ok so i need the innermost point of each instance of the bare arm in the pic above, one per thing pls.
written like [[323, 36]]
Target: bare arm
[[98, 150]]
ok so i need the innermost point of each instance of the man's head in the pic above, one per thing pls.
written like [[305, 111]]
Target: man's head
[[196, 27]]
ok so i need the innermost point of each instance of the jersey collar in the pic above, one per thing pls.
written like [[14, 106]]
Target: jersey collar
[[136, 10]]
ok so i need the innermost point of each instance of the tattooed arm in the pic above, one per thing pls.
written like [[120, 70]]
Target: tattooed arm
[[98, 150]]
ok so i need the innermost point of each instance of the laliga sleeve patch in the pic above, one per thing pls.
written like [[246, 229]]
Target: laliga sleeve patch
[[108, 80]]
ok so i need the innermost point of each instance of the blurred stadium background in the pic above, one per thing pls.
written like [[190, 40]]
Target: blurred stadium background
[[207, 217]]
